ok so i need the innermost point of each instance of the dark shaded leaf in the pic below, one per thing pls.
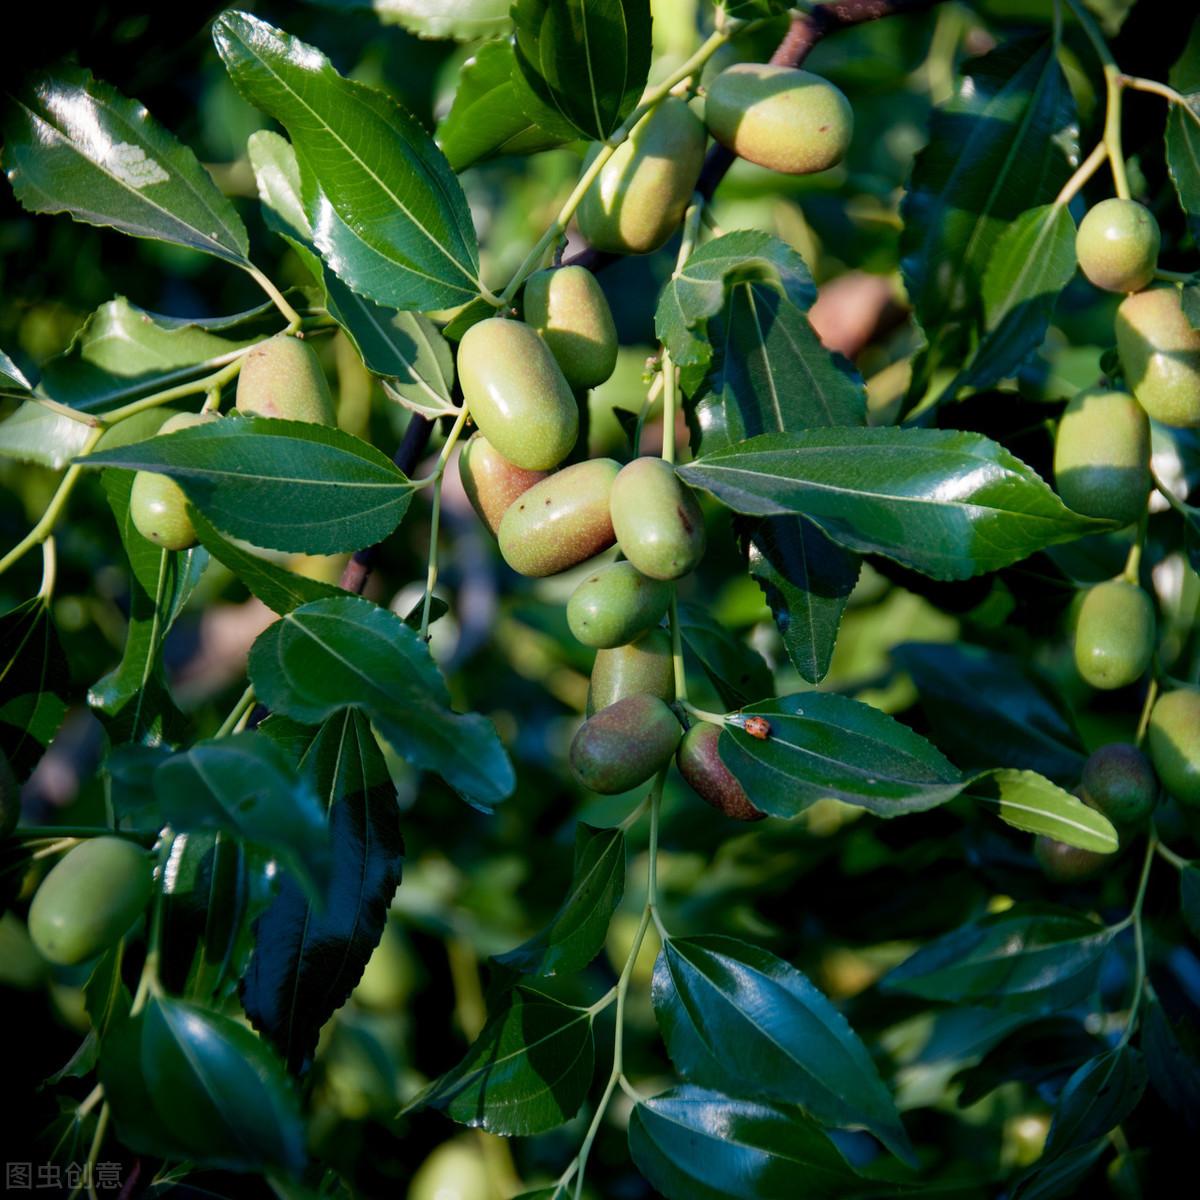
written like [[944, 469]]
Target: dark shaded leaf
[[1172, 1050], [34, 683], [736, 670], [1096, 1099]]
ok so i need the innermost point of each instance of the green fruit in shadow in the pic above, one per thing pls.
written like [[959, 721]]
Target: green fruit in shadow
[[643, 667], [517, 395], [1102, 456], [282, 378], [624, 744], [711, 780], [1174, 740], [1117, 245], [157, 504], [568, 309], [10, 797], [491, 482], [562, 521], [1119, 781], [638, 199], [90, 899], [658, 523], [614, 604], [779, 117], [1160, 355], [455, 1170], [1114, 636], [1067, 864]]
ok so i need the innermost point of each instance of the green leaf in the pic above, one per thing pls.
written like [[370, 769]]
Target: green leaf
[[286, 485], [347, 652], [74, 144], [389, 216], [188, 1083], [465, 20], [701, 288], [577, 931], [585, 61], [1061, 1177], [528, 1071], [736, 670], [1032, 261], [823, 745], [107, 1001], [737, 1018], [11, 376], [999, 147], [486, 119], [1096, 1099], [693, 1144], [947, 503], [1172, 1052], [1029, 958], [307, 959], [246, 786], [1183, 134], [1028, 801], [34, 683], [36, 434]]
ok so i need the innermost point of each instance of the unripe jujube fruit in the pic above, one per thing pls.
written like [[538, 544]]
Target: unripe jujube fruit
[[638, 199], [1117, 245], [1160, 355], [1174, 740], [491, 482], [567, 307], [1064, 863], [657, 521], [282, 378], [1119, 781], [1102, 456], [643, 667], [517, 395], [711, 780], [89, 899], [562, 521], [779, 117], [1114, 636], [624, 744], [616, 603], [157, 504], [455, 1170]]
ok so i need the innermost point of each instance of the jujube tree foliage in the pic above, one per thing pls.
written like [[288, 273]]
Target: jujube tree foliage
[[774, 632]]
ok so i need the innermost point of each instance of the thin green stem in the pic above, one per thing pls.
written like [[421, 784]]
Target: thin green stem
[[1133, 561], [1092, 30], [64, 410], [241, 709], [155, 632], [49, 569], [1147, 707], [1176, 276], [49, 851], [439, 472], [1139, 84], [1165, 852], [444, 457], [1139, 940], [1083, 173], [1112, 91], [677, 651], [148, 983], [702, 714], [207, 383], [290, 315], [33, 833]]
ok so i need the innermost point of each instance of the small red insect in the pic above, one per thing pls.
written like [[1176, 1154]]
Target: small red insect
[[757, 727]]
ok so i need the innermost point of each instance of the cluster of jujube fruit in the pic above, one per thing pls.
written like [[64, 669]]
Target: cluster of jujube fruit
[[1102, 469]]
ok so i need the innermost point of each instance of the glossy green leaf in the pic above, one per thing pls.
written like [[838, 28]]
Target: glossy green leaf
[[286, 485], [486, 119], [947, 503], [36, 434], [74, 144], [246, 786], [998, 148], [575, 935], [585, 61], [1172, 1052], [1060, 1178], [188, 1083], [736, 670], [347, 652], [528, 1071], [1183, 133], [307, 959], [35, 683], [1030, 802], [388, 214], [1096, 1099], [693, 1144], [106, 1001], [738, 1018], [465, 20], [1029, 958], [11, 376]]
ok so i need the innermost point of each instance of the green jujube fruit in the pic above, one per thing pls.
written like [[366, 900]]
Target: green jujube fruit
[[516, 393], [1102, 456], [638, 200], [1174, 739], [616, 603], [624, 744], [1114, 636], [700, 764], [157, 504], [1119, 781], [1160, 355], [658, 523], [562, 521], [282, 378], [779, 117], [1117, 245], [455, 1170], [491, 482], [1064, 863], [566, 306], [643, 667], [90, 899]]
